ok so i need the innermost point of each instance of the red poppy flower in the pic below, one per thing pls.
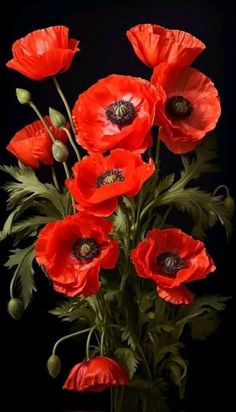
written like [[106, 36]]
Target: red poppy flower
[[191, 107], [43, 53], [32, 144], [171, 258], [116, 112], [99, 181], [155, 44], [73, 250], [96, 375]]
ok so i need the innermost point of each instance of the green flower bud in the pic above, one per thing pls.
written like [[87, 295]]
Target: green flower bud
[[59, 151], [175, 372], [23, 96], [15, 308], [229, 205], [54, 366], [58, 120]]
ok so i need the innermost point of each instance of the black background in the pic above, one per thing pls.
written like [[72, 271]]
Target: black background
[[101, 26]]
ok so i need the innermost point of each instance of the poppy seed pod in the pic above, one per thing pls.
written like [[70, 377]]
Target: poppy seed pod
[[59, 151], [229, 205], [57, 119], [15, 308], [23, 96], [54, 366]]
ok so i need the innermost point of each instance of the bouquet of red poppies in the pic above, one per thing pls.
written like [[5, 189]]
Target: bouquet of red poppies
[[101, 226]]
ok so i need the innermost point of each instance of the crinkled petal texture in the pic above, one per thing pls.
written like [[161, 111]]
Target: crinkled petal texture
[[32, 144], [43, 53], [96, 375], [155, 44], [55, 251], [129, 172], [195, 262], [183, 135], [97, 133]]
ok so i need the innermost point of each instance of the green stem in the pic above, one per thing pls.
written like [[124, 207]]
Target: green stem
[[157, 157], [54, 178], [102, 342], [165, 217], [222, 187], [12, 284], [88, 340], [119, 408], [65, 102], [68, 337], [68, 177], [72, 143], [35, 109], [149, 375]]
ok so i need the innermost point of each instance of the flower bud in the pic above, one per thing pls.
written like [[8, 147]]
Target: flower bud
[[23, 96], [59, 151], [58, 120], [175, 372], [54, 366], [229, 205], [15, 308]]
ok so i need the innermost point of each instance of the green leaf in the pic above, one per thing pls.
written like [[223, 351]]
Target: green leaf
[[28, 187], [23, 275], [204, 326], [205, 155], [198, 204], [128, 359], [165, 183], [203, 305], [71, 311], [128, 336]]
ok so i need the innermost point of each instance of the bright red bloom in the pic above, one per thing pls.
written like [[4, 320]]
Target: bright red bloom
[[100, 180], [73, 250], [96, 375], [171, 258], [191, 107], [32, 144], [43, 53], [154, 44], [116, 112]]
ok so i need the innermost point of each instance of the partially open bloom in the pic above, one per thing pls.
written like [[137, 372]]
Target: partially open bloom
[[96, 375], [171, 258], [32, 144], [43, 53], [99, 180], [155, 44], [73, 250], [191, 107], [116, 112]]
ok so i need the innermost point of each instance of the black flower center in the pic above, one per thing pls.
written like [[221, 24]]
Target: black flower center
[[178, 107], [121, 112], [170, 263], [110, 176], [85, 249]]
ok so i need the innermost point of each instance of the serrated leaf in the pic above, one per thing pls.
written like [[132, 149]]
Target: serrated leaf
[[205, 155], [128, 336], [28, 187], [198, 204], [23, 275], [165, 183], [74, 311], [128, 359], [202, 306], [204, 326]]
